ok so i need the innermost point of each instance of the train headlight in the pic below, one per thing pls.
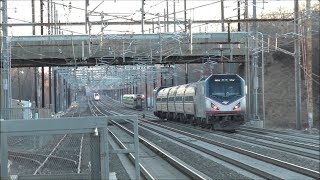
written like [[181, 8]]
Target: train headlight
[[214, 107], [236, 107]]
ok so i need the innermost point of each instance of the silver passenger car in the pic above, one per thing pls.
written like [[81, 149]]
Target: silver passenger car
[[218, 102]]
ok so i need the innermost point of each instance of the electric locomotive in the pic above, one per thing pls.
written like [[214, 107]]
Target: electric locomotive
[[218, 102]]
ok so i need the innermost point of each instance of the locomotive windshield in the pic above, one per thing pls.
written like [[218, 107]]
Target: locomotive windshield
[[224, 88]]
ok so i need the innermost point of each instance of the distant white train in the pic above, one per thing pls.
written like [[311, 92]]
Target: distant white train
[[96, 96], [219, 102]]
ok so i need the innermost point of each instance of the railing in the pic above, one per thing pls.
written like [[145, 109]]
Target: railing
[[68, 148], [25, 113]]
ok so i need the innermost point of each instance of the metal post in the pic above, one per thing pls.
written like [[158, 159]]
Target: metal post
[[86, 16], [222, 16], [160, 43], [186, 73], [174, 15], [48, 9], [33, 17], [55, 12], [41, 16], [167, 15], [104, 150], [51, 16], [36, 99], [19, 84], [190, 36], [95, 156], [297, 65], [248, 74], [255, 67], [146, 97], [262, 83], [6, 63], [50, 84], [238, 4], [55, 83], [164, 20], [42, 87], [142, 17], [159, 28], [221, 60], [185, 16], [136, 148], [4, 154], [5, 90], [309, 76]]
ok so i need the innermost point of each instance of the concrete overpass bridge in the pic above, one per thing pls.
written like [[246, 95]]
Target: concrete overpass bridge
[[124, 49]]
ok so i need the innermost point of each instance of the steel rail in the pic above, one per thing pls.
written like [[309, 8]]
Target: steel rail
[[285, 149], [300, 135], [289, 166], [283, 141], [185, 169], [145, 172]]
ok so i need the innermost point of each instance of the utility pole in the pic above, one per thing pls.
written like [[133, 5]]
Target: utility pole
[[309, 66], [297, 65]]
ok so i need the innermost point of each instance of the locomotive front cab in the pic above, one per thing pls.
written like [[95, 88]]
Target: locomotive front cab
[[225, 99]]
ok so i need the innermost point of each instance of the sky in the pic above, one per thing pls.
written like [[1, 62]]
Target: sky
[[19, 11]]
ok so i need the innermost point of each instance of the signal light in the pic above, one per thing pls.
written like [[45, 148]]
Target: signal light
[[236, 107]]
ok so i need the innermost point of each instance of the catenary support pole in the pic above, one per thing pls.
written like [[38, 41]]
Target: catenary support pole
[[297, 65]]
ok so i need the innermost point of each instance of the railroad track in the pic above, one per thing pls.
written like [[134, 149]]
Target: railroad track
[[163, 166], [252, 168], [291, 167], [293, 148], [295, 143], [296, 139]]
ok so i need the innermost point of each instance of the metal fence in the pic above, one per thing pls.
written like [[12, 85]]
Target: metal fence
[[63, 148]]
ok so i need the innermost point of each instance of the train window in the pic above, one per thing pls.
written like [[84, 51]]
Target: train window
[[158, 99], [171, 98], [224, 88], [189, 98]]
